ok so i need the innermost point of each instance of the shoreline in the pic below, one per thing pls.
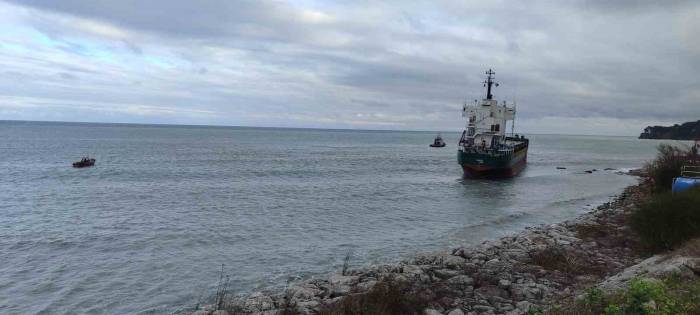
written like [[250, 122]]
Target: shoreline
[[531, 269]]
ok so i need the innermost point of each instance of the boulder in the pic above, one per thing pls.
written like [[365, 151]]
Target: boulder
[[504, 284], [412, 269], [483, 309], [366, 286], [456, 311], [337, 279], [490, 291], [446, 273], [453, 262], [258, 302], [461, 281], [523, 306], [657, 266]]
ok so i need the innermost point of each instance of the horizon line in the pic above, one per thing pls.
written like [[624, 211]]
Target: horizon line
[[274, 127]]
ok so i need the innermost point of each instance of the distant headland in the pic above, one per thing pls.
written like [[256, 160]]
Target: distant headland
[[686, 131]]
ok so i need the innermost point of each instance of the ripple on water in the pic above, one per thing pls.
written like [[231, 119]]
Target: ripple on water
[[147, 229]]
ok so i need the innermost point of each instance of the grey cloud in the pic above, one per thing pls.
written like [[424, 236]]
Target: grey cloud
[[67, 76], [212, 18], [631, 6], [410, 64]]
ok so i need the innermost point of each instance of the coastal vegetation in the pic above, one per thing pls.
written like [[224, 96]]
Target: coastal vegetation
[[686, 131], [669, 296], [666, 224], [668, 220], [667, 165]]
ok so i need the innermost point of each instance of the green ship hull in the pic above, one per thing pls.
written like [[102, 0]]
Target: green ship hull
[[493, 164]]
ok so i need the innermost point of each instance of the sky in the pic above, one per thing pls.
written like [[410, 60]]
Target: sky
[[572, 67]]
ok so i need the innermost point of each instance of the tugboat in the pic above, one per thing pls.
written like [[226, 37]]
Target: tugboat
[[438, 142], [484, 148], [84, 162]]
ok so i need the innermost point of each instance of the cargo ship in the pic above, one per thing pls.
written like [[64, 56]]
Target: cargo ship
[[485, 150]]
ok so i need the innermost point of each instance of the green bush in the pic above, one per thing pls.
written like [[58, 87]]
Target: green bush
[[667, 165], [667, 220], [669, 296]]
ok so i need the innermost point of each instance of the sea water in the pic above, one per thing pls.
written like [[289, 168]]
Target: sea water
[[148, 228]]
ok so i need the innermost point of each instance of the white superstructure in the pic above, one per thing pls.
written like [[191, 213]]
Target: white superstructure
[[487, 120]]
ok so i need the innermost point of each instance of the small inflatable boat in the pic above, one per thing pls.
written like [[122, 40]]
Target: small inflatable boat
[[690, 177], [85, 162]]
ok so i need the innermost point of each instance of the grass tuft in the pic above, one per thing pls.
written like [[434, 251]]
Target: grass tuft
[[386, 297], [555, 258], [667, 220]]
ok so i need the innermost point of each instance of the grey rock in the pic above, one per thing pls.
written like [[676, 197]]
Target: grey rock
[[461, 281], [470, 268], [307, 306], [446, 273], [340, 290], [454, 262], [430, 311], [523, 305], [505, 307], [258, 302], [220, 312], [456, 311], [491, 292], [483, 308], [533, 293], [337, 279], [303, 293], [412, 269], [366, 286], [504, 284], [654, 267]]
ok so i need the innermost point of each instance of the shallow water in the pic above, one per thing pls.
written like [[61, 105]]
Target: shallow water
[[147, 229]]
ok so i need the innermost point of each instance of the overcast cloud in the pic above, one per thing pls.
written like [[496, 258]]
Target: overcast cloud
[[577, 67]]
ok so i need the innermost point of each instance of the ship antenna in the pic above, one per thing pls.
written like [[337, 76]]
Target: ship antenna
[[489, 82], [512, 126]]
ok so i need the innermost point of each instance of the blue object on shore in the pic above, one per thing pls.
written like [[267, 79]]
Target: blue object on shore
[[684, 183], [690, 177]]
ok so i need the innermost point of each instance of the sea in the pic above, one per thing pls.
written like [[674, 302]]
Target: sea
[[149, 228]]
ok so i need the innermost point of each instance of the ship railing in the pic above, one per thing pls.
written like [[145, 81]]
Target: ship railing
[[480, 150], [690, 171]]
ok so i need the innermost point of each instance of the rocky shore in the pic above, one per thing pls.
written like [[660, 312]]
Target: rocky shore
[[532, 270]]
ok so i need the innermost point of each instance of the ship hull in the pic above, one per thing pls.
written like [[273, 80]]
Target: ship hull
[[479, 165]]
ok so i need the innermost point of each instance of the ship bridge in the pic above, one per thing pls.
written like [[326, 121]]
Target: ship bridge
[[487, 120]]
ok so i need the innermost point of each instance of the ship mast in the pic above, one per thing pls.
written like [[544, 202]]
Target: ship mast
[[489, 82]]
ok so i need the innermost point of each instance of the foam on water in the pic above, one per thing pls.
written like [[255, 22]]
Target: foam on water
[[148, 228]]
